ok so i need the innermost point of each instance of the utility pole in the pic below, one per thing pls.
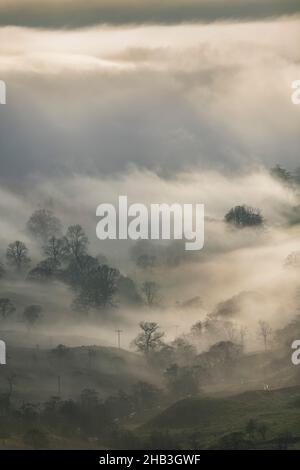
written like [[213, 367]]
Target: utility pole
[[58, 385], [119, 337]]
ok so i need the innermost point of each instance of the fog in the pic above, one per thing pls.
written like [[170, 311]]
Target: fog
[[247, 263], [185, 102]]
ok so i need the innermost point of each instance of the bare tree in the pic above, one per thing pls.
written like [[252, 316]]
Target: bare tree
[[264, 332], [43, 224], [230, 330], [76, 242], [32, 314], [7, 308], [54, 249], [243, 334], [150, 290], [150, 338], [293, 260], [17, 255]]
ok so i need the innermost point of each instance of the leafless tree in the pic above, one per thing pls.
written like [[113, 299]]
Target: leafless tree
[[32, 314], [243, 334], [150, 338], [17, 255], [230, 330], [150, 290], [6, 308], [76, 242], [264, 331], [54, 249], [43, 224]]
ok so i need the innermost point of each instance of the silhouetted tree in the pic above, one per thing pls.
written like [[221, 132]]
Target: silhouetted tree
[[7, 308], [150, 290], [184, 351], [76, 242], [293, 260], [43, 225], [61, 351], [98, 288], [17, 255], [281, 174], [79, 271], [55, 249], [244, 216], [43, 271], [150, 338], [230, 331], [127, 290], [197, 331], [32, 314], [243, 333], [265, 332], [222, 356], [233, 441]]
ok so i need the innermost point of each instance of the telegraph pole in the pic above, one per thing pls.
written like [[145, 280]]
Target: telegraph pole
[[119, 337], [58, 385]]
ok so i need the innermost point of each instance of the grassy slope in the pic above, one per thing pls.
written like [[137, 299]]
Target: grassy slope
[[36, 372], [211, 418]]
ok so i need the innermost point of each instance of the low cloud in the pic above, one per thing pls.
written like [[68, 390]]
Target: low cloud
[[70, 13], [167, 99]]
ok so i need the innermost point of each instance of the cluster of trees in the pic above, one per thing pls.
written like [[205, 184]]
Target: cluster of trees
[[254, 436], [67, 259], [148, 256], [87, 418], [244, 216], [210, 352], [95, 284], [101, 422], [31, 313], [288, 178]]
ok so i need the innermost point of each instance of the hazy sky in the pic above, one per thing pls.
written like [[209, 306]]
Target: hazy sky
[[166, 101], [162, 97]]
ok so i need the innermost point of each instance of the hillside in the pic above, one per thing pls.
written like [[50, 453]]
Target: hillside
[[40, 373], [210, 419]]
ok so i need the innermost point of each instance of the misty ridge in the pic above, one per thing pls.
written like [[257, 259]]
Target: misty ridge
[[58, 279], [125, 334], [144, 345]]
